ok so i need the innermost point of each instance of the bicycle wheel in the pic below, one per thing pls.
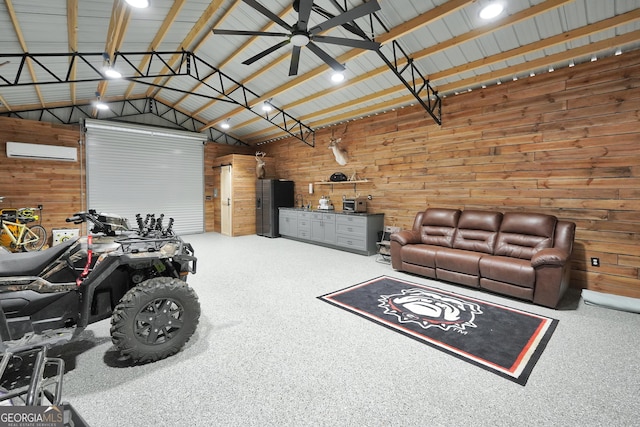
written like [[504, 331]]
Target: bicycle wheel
[[34, 238]]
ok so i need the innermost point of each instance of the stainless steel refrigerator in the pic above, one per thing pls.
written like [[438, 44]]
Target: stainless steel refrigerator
[[271, 194]]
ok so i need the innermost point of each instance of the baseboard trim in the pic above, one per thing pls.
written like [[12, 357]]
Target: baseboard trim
[[616, 302]]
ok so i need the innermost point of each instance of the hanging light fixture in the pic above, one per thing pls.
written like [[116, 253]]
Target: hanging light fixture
[[140, 4], [99, 104], [266, 105], [109, 70], [112, 73], [225, 124]]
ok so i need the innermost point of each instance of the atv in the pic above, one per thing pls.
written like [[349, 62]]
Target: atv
[[137, 277]]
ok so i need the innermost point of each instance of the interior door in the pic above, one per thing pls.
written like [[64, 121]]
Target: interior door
[[226, 213]]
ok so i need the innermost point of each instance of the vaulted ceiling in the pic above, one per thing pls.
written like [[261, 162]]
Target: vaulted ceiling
[[177, 71]]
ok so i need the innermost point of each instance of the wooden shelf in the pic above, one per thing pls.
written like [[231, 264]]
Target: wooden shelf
[[332, 183], [342, 182]]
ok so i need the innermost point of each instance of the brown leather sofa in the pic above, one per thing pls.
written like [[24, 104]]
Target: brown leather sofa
[[522, 255]]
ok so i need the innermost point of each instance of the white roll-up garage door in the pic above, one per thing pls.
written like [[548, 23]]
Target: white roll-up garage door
[[135, 169]]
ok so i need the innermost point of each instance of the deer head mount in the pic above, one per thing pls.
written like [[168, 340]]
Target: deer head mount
[[341, 155], [260, 172]]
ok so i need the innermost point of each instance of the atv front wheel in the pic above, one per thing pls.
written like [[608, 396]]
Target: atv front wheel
[[155, 319]]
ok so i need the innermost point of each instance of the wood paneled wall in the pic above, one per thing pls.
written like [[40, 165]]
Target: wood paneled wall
[[56, 185], [565, 143]]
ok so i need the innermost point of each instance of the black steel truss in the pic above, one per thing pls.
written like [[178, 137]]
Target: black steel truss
[[51, 68], [124, 109], [408, 74]]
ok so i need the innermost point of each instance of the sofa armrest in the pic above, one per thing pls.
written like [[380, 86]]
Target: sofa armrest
[[550, 256], [406, 237]]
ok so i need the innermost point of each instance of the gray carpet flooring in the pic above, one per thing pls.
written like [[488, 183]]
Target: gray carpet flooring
[[269, 353]]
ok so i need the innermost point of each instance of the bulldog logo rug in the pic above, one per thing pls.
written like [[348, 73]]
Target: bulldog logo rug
[[503, 340]]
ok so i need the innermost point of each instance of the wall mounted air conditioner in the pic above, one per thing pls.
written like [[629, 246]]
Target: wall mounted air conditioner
[[22, 150]]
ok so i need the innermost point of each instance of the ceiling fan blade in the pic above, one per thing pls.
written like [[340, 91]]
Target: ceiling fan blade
[[247, 33], [266, 12], [361, 44], [265, 52], [327, 15], [326, 58], [348, 16], [304, 11], [295, 61]]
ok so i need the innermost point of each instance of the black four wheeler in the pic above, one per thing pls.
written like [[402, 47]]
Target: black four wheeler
[[135, 276]]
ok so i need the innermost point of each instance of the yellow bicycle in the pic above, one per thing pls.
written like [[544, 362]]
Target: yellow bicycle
[[16, 235]]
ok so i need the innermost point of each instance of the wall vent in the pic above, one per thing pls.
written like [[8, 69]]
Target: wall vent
[[22, 150]]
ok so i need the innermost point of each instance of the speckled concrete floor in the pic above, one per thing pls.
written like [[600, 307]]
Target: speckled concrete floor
[[269, 353]]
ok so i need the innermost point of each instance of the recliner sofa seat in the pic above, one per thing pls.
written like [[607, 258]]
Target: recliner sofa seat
[[519, 254]]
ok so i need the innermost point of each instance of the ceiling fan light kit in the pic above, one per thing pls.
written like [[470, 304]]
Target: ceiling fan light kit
[[299, 40]]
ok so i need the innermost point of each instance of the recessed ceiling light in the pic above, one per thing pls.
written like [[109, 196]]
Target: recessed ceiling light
[[491, 10], [141, 4]]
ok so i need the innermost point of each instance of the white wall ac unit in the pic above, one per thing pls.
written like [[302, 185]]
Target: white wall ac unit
[[22, 150]]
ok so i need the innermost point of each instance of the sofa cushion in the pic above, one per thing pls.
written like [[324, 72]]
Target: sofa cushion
[[458, 260], [439, 226], [508, 270], [419, 254], [477, 231], [523, 234]]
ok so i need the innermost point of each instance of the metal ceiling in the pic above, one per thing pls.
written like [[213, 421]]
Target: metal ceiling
[[53, 54]]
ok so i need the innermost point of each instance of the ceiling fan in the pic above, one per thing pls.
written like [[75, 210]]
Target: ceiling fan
[[300, 35]]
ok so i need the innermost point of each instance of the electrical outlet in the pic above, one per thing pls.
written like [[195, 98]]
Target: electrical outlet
[[595, 262]]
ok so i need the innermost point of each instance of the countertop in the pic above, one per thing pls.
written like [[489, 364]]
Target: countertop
[[332, 211]]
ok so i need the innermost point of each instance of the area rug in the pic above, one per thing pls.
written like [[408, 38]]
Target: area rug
[[500, 339]]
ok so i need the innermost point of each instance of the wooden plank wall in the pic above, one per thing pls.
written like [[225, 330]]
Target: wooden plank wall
[[56, 185], [565, 143]]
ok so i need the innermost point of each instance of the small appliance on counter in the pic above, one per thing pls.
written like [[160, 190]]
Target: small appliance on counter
[[359, 204], [325, 204]]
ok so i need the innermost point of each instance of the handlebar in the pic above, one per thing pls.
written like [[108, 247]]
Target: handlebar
[[149, 227]]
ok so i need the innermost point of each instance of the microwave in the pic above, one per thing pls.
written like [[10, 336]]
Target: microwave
[[359, 204]]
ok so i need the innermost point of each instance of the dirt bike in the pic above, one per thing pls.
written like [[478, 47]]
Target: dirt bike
[[137, 277]]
